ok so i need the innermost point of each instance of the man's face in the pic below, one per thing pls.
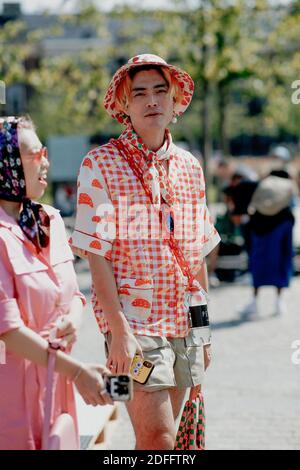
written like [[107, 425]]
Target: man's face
[[150, 104]]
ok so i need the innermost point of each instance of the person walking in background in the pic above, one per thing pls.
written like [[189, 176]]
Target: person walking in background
[[144, 280], [230, 225], [38, 287], [269, 234]]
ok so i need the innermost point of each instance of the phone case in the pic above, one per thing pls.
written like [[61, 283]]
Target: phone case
[[141, 369]]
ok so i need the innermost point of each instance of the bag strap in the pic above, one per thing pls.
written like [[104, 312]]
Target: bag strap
[[173, 243], [48, 407], [53, 347]]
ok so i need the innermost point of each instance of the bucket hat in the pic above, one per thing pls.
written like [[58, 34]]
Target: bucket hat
[[185, 82]]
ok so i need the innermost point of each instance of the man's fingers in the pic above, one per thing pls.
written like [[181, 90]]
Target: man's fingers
[[127, 365], [139, 351], [124, 369], [112, 365], [207, 357]]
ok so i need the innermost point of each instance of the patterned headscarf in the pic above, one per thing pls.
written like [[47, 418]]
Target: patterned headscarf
[[33, 220]]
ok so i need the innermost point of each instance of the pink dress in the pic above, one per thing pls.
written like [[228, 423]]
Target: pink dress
[[34, 291]]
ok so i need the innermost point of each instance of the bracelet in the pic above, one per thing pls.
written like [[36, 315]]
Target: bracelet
[[77, 374]]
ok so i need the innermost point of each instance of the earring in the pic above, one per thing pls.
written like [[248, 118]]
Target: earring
[[174, 119]]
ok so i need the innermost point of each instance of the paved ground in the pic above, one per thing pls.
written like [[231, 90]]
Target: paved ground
[[252, 389]]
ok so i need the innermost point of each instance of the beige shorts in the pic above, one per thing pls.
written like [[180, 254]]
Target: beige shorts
[[179, 362]]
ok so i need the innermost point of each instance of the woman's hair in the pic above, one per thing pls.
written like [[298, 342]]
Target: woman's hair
[[124, 88], [26, 122]]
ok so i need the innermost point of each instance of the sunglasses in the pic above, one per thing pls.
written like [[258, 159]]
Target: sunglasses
[[41, 153]]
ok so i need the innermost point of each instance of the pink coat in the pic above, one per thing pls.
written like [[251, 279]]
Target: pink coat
[[34, 291]]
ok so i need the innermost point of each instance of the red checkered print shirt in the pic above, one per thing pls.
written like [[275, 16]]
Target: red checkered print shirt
[[115, 219]]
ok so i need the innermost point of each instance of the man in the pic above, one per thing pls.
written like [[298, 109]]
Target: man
[[135, 196]]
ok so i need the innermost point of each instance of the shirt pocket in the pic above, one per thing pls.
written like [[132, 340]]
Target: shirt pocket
[[32, 289], [136, 296]]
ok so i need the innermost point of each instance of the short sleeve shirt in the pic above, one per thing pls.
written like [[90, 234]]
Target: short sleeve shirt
[[115, 220]]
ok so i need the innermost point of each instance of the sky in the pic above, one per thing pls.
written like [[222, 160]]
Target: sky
[[55, 6], [67, 6]]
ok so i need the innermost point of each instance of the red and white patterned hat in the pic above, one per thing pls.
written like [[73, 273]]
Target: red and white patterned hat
[[184, 80]]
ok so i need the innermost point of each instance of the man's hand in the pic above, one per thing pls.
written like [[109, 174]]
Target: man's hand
[[122, 349], [207, 355]]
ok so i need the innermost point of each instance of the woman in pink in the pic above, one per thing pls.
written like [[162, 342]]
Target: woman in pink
[[38, 290]]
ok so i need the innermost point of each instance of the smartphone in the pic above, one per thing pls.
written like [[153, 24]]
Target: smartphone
[[141, 369], [119, 387]]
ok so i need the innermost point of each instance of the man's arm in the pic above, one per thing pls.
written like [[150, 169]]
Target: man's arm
[[123, 345], [202, 278]]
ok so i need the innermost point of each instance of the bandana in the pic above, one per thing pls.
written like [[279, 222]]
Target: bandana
[[148, 167], [33, 220], [150, 164]]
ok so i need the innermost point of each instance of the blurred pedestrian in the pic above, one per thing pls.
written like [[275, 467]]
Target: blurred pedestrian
[[38, 287], [231, 224], [270, 244], [144, 283]]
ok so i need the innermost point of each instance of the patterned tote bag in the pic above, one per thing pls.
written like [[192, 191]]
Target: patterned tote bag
[[191, 430]]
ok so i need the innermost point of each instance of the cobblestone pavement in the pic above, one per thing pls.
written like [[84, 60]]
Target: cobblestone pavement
[[252, 389]]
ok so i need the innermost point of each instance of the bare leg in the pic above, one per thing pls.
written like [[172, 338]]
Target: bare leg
[[252, 307], [177, 397], [152, 418], [280, 306]]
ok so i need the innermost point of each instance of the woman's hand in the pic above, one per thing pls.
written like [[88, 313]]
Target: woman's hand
[[90, 385], [68, 325], [122, 349], [67, 330]]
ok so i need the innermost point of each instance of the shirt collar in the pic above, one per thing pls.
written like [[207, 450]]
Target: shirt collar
[[9, 222]]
